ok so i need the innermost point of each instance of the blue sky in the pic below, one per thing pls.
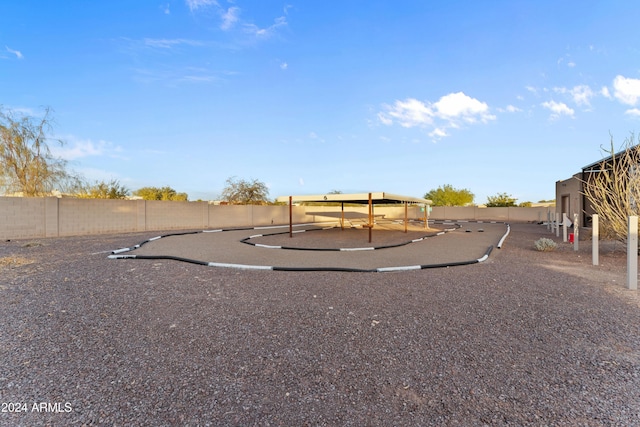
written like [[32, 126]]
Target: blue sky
[[313, 96]]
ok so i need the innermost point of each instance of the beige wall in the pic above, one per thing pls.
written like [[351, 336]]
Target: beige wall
[[83, 216], [23, 217], [569, 197], [474, 213]]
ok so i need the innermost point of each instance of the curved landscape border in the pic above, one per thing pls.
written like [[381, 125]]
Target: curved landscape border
[[247, 240], [122, 253]]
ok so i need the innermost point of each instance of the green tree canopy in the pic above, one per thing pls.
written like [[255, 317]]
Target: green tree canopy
[[446, 195], [245, 192], [27, 165], [164, 193], [104, 190], [500, 200]]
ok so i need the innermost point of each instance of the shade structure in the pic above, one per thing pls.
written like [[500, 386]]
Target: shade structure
[[380, 198], [357, 198]]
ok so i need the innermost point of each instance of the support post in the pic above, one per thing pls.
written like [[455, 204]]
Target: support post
[[564, 227], [595, 251], [290, 216], [557, 224], [370, 216], [406, 214], [342, 221], [632, 253], [549, 219], [576, 231], [426, 207]]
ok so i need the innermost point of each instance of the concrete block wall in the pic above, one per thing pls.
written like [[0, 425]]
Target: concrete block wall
[[51, 217], [23, 218], [95, 216], [273, 215], [163, 215], [474, 213]]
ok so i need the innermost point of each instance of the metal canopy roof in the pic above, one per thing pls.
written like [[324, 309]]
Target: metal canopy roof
[[608, 159], [361, 198]]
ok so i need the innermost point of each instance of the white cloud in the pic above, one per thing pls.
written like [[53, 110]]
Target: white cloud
[[580, 94], [510, 109], [438, 133], [229, 18], [197, 4], [268, 31], [460, 106], [635, 112], [449, 112], [408, 113], [558, 109], [284, 66], [605, 92], [626, 90], [17, 53], [85, 148]]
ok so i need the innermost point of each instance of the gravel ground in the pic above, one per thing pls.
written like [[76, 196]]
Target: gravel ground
[[525, 338]]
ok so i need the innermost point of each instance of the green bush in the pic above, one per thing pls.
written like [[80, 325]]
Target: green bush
[[545, 245]]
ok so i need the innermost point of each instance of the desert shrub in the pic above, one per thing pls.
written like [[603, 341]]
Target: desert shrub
[[545, 245]]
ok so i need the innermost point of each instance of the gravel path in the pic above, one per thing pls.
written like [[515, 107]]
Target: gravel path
[[525, 338]]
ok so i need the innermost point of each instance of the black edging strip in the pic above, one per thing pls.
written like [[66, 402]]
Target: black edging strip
[[246, 240], [171, 257], [114, 254]]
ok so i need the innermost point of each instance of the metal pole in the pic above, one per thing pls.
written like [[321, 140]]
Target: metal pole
[[406, 213], [576, 232], [564, 227], [370, 216], [342, 222], [595, 239], [632, 253], [290, 216]]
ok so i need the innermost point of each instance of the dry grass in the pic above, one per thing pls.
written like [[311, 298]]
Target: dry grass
[[9, 262]]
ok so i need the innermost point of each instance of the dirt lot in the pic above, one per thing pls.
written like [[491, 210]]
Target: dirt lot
[[524, 338]]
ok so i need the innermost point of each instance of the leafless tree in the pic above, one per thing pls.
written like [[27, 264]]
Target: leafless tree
[[612, 189], [27, 165], [243, 192]]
